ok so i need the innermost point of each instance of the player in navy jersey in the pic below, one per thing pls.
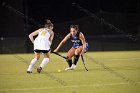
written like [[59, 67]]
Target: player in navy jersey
[[79, 46]]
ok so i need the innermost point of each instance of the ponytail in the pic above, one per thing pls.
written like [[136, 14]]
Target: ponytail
[[48, 23]]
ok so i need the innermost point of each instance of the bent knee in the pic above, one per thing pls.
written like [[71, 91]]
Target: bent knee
[[37, 58]]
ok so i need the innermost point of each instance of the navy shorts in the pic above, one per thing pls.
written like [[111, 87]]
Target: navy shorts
[[86, 49]]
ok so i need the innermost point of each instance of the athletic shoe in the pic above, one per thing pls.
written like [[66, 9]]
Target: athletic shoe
[[73, 66], [68, 68], [39, 69], [29, 72]]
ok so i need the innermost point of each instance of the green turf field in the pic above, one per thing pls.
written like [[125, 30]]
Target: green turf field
[[109, 72]]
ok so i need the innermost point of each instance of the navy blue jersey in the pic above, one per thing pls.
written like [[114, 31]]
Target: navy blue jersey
[[75, 40]]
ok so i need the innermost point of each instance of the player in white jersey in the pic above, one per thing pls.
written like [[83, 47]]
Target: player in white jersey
[[42, 44]]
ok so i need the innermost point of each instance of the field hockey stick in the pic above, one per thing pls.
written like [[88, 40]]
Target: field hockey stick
[[84, 62], [59, 55]]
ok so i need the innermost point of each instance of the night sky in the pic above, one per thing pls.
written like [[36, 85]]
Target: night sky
[[19, 18], [62, 10], [13, 19]]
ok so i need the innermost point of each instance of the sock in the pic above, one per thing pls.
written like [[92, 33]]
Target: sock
[[44, 62], [33, 62], [69, 61], [76, 58]]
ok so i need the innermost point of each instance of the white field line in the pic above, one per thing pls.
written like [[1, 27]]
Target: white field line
[[70, 86]]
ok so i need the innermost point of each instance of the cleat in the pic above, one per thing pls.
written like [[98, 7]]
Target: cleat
[[68, 68], [29, 72], [73, 67], [39, 69]]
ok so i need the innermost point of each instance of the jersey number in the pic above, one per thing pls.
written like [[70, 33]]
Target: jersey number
[[43, 33]]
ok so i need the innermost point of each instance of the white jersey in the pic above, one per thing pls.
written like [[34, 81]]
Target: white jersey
[[42, 41]]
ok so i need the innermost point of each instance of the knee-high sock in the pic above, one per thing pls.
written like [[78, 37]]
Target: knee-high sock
[[33, 62], [76, 58], [44, 62], [69, 61]]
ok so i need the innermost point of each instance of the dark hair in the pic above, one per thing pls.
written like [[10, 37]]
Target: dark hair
[[48, 23], [75, 26]]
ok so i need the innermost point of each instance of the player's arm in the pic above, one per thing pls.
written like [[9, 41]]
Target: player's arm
[[34, 34], [82, 38], [51, 38], [62, 42]]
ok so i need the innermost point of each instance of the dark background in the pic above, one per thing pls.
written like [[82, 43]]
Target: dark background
[[116, 25]]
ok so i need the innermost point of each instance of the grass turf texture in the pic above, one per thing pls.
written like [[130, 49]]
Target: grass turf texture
[[109, 72]]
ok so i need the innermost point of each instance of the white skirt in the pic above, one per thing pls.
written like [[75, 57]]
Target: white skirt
[[41, 44]]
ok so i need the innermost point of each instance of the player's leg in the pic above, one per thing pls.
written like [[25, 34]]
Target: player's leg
[[70, 54], [33, 62], [76, 57], [44, 61]]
